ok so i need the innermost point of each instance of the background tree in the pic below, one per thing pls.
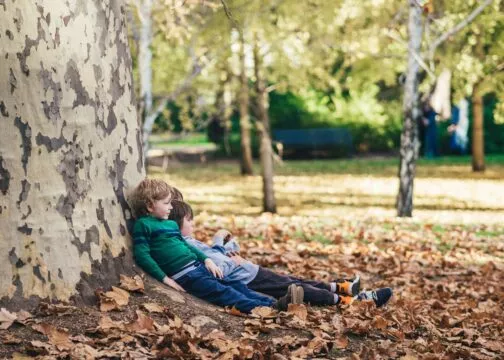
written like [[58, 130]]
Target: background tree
[[70, 147]]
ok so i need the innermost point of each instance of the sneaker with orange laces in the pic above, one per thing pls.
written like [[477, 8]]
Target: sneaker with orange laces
[[380, 297], [348, 286]]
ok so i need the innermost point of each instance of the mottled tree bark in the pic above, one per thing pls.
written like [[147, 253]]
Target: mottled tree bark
[[70, 146], [409, 136], [478, 142], [263, 130], [245, 144]]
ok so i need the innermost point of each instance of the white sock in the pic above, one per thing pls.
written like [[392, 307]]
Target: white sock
[[336, 298], [333, 287]]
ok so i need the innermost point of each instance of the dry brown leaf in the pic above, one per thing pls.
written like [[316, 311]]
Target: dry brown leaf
[[57, 337], [114, 299], [264, 312], [6, 318], [379, 323], [143, 323], [106, 323], [132, 284], [85, 352], [299, 310], [341, 342], [120, 296], [153, 307]]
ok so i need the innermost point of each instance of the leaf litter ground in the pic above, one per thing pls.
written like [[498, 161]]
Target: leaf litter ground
[[448, 299]]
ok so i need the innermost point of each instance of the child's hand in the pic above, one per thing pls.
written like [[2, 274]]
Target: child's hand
[[214, 269], [171, 283]]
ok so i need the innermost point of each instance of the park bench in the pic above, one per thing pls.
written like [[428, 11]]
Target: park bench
[[314, 142]]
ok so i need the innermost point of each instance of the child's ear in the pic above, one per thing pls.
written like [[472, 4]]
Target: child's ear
[[149, 206]]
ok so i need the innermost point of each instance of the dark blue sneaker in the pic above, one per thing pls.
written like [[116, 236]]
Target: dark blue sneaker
[[380, 296]]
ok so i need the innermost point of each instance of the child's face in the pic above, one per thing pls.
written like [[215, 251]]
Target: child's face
[[161, 208], [187, 227]]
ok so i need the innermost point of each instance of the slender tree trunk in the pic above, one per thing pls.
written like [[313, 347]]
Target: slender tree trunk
[[246, 148], [70, 146], [145, 68], [409, 136], [478, 143], [263, 127]]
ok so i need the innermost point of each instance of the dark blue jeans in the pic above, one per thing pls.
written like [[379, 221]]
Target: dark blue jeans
[[202, 284]]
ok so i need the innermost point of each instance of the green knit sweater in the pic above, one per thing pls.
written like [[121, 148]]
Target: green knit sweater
[[159, 248]]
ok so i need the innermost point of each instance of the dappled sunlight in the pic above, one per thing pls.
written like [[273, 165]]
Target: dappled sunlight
[[447, 200]]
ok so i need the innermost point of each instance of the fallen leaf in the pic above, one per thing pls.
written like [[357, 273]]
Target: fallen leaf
[[379, 323], [299, 310], [142, 323], [264, 312], [132, 284], [153, 307], [6, 318], [57, 337], [341, 342]]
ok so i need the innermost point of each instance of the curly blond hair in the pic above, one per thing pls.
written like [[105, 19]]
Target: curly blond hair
[[146, 193]]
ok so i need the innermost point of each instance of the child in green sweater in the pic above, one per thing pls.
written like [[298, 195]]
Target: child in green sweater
[[160, 250]]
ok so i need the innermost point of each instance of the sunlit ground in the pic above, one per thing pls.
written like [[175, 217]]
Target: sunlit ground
[[446, 190], [330, 201]]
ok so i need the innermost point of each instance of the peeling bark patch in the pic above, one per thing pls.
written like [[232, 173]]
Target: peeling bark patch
[[16, 281], [60, 273], [100, 215], [116, 176], [72, 77], [9, 34], [88, 53], [3, 109], [12, 81], [18, 20], [111, 120], [2, 2], [140, 163], [29, 43], [13, 259], [66, 19], [25, 229], [27, 214], [76, 188], [122, 229], [26, 144], [51, 110], [97, 73], [38, 274], [4, 178], [23, 195], [92, 236], [51, 144]]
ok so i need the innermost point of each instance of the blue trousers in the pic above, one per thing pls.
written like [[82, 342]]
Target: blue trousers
[[202, 284]]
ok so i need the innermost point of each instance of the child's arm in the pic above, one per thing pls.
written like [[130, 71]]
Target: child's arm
[[141, 250]]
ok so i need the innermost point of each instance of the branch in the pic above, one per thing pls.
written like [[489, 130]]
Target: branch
[[229, 15], [417, 56], [458, 27]]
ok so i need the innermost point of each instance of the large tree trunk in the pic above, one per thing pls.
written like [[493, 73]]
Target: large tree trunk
[[263, 127], [409, 136], [70, 146], [478, 143], [245, 144]]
